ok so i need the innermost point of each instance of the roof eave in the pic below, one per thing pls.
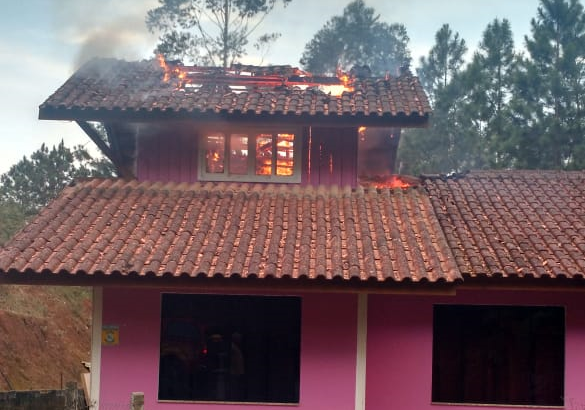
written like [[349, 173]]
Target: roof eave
[[236, 283], [413, 120]]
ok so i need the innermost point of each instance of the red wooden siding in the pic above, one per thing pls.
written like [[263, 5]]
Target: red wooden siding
[[329, 156], [167, 158]]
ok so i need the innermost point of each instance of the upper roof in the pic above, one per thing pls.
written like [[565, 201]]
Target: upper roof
[[109, 89], [513, 223], [226, 230]]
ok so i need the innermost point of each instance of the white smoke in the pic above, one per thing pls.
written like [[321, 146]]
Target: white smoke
[[106, 28]]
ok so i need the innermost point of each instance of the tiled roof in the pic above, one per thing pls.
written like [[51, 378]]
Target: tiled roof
[[120, 90], [220, 229], [514, 223]]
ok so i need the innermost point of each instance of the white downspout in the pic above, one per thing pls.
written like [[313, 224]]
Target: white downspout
[[96, 347], [362, 338]]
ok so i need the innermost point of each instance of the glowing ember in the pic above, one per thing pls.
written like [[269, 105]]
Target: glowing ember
[[362, 133]]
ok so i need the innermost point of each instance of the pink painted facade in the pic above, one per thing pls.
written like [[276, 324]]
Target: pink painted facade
[[400, 336], [328, 352], [398, 359]]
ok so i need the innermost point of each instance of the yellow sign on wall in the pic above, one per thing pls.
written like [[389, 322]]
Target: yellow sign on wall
[[110, 335]]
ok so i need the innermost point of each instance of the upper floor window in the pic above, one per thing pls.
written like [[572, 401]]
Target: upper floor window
[[250, 155]]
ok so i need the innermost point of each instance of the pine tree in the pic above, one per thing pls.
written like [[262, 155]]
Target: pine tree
[[32, 183], [357, 38], [549, 94], [440, 148], [488, 81]]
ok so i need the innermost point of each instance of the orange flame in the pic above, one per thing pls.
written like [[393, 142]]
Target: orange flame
[[345, 79], [171, 71], [387, 181]]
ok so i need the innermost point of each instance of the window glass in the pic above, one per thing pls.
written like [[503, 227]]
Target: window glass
[[238, 154], [264, 149], [230, 348], [214, 153], [511, 355], [285, 154]]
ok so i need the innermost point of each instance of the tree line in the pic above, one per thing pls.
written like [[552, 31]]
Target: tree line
[[505, 109], [500, 109]]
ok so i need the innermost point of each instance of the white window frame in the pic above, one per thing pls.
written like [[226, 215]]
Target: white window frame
[[251, 132]]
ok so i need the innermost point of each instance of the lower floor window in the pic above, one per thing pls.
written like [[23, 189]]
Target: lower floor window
[[230, 348], [499, 355]]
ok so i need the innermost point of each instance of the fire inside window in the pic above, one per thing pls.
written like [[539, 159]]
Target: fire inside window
[[251, 156]]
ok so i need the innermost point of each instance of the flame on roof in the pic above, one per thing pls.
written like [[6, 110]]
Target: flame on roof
[[245, 77]]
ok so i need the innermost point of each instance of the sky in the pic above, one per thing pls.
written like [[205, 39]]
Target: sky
[[42, 42]]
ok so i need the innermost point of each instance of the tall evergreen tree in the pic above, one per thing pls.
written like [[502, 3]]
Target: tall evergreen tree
[[443, 146], [549, 95], [357, 37], [488, 84], [444, 61]]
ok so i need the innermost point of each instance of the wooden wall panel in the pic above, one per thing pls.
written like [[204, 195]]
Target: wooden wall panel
[[331, 157], [167, 158]]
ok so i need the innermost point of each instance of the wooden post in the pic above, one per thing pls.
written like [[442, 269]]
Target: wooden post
[[137, 401]]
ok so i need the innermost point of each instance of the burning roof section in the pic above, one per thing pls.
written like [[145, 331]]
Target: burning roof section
[[109, 89]]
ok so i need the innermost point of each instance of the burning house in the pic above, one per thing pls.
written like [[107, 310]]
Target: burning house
[[258, 248]]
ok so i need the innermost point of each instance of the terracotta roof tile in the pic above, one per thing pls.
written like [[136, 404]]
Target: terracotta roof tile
[[513, 223], [222, 229], [107, 88]]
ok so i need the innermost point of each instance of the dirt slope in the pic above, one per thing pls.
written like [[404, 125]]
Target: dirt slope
[[45, 333]]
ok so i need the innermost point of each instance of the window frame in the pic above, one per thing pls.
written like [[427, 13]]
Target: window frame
[[251, 132], [462, 321]]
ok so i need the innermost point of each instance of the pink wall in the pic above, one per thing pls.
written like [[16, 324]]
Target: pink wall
[[399, 358], [328, 352]]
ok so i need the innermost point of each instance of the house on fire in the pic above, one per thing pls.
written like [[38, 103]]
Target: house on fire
[[258, 249]]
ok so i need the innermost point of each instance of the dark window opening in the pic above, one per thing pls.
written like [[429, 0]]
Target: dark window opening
[[499, 355], [230, 348]]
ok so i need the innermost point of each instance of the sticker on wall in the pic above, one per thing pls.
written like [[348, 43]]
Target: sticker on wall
[[110, 335]]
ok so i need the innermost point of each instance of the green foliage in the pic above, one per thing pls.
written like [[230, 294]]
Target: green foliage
[[549, 93], [357, 38], [209, 32], [487, 82], [12, 218], [505, 110], [443, 62], [443, 146], [32, 183]]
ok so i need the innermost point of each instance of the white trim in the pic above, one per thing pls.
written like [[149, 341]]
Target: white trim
[[361, 351], [96, 347]]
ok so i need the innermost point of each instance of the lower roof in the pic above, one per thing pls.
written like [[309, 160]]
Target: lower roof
[[224, 230]]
